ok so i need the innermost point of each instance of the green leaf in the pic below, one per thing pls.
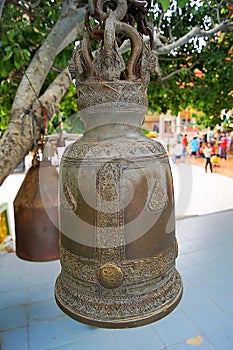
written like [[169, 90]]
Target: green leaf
[[165, 4], [11, 33], [17, 62], [182, 3], [8, 56], [8, 48], [3, 71], [223, 11], [26, 54]]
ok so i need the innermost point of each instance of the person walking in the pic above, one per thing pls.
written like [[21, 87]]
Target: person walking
[[194, 146], [223, 146], [207, 153], [185, 144], [177, 152]]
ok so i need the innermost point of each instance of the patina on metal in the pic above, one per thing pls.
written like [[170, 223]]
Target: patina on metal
[[36, 214], [117, 225]]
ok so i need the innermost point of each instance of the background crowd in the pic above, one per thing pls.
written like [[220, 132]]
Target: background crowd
[[215, 148]]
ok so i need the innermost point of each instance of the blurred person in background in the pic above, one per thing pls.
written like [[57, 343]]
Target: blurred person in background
[[185, 144], [207, 153], [194, 146]]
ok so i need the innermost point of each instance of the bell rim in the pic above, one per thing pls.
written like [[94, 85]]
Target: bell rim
[[130, 322]]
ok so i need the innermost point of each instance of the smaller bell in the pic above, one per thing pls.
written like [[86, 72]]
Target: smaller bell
[[36, 213]]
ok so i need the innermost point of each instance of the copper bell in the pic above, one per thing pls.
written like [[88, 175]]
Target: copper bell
[[36, 214], [117, 224]]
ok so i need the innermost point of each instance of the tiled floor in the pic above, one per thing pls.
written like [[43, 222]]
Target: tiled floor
[[31, 320]]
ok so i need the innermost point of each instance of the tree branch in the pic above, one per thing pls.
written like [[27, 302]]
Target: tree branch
[[188, 69], [35, 4], [194, 32], [161, 47], [53, 95], [62, 34], [1, 7]]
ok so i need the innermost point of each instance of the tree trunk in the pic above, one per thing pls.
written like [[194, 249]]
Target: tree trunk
[[18, 138]]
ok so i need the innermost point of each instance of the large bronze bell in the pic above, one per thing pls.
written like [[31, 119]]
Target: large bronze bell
[[36, 214], [117, 224]]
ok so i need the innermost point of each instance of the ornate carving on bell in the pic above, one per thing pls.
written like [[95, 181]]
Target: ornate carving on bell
[[117, 225], [36, 214]]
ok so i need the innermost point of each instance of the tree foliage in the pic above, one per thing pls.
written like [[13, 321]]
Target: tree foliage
[[24, 28], [198, 74]]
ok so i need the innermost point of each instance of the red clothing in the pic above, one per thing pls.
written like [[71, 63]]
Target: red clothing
[[223, 142], [185, 141], [212, 149]]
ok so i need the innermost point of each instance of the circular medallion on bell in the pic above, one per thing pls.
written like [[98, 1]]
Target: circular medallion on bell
[[110, 276]]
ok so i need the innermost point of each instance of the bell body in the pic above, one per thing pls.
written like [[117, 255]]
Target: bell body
[[117, 225], [36, 214]]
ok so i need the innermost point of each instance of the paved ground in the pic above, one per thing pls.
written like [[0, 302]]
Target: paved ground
[[225, 169], [199, 193], [30, 319]]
